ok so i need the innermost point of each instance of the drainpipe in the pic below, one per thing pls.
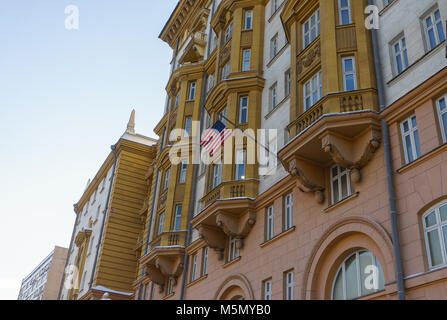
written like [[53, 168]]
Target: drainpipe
[[196, 172], [75, 208], [389, 169], [105, 215]]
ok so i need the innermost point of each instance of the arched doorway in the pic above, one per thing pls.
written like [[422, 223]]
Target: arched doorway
[[235, 287]]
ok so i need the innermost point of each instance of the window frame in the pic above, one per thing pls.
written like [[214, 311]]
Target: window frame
[[188, 127], [287, 83], [402, 54], [440, 114], [346, 73], [338, 178], [319, 79], [434, 26], [288, 212], [289, 285], [274, 47], [166, 179], [228, 32], [192, 91], [161, 222], [240, 176], [267, 289], [246, 61], [340, 12], [233, 251], [439, 228], [192, 276], [226, 71], [415, 147], [205, 261], [183, 171], [269, 223], [248, 19], [243, 109], [217, 175], [316, 14], [177, 218], [273, 96]]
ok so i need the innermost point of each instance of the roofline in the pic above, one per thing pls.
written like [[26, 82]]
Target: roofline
[[169, 19]]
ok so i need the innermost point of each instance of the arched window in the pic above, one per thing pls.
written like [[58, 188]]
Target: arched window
[[359, 275], [435, 229]]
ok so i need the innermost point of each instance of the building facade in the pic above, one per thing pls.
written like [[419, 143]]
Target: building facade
[[107, 239], [351, 97], [43, 283]]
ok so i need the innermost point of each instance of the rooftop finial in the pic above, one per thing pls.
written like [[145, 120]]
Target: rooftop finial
[[131, 124]]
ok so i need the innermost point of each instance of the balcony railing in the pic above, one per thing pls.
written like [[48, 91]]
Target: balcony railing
[[169, 239], [232, 189]]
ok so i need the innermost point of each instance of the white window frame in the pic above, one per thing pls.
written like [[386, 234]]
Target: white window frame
[[97, 213], [240, 165], [205, 261], [273, 96], [270, 223], [411, 133], [210, 83], [316, 27], [316, 79], [287, 83], [288, 211], [274, 46], [161, 222], [167, 178], [188, 127], [289, 285], [233, 251], [226, 71], [192, 90], [246, 60], [193, 267], [248, 19], [243, 109], [228, 32], [439, 228], [177, 217], [268, 289], [217, 175], [338, 179], [183, 169], [275, 6], [441, 113], [433, 27], [346, 73], [400, 55], [340, 11]]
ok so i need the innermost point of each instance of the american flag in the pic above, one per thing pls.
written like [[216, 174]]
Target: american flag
[[215, 137]]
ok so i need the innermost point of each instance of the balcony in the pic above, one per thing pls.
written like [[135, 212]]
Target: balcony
[[165, 257], [232, 189], [226, 218], [195, 48], [340, 129]]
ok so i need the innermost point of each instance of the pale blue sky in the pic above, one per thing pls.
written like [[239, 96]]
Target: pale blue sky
[[65, 97]]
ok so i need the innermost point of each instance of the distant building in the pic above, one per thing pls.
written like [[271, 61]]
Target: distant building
[[43, 282]]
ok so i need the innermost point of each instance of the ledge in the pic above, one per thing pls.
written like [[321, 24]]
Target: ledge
[[169, 296], [334, 206], [278, 106], [277, 237], [276, 57], [422, 159], [197, 281], [228, 264]]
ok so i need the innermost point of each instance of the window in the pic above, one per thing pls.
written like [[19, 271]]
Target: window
[[269, 232], [205, 261], [94, 196], [183, 168], [246, 59], [268, 289], [178, 217], [92, 243], [248, 19], [311, 29], [226, 71], [188, 126], [240, 164], [349, 74], [273, 96], [222, 116], [243, 110], [274, 46], [400, 56], [217, 175], [410, 137], [177, 99], [341, 183], [434, 31], [288, 214], [435, 229], [229, 32], [210, 83], [213, 44], [192, 91], [359, 275], [161, 222], [233, 252], [193, 267], [288, 285], [167, 177], [442, 112], [344, 11], [313, 91], [287, 83], [275, 6], [98, 210], [170, 289]]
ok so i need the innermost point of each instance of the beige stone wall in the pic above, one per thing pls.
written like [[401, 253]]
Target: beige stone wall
[[55, 274]]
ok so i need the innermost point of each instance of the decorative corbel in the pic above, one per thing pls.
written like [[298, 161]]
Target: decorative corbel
[[155, 275], [170, 266], [215, 239], [306, 185], [236, 227]]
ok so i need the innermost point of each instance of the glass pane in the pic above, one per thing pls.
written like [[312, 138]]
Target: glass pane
[[348, 65], [344, 186], [409, 149], [417, 144], [336, 192], [437, 15], [345, 17], [443, 212], [399, 63], [435, 248], [428, 22], [431, 36], [366, 260], [350, 83], [344, 3], [430, 220], [334, 172], [442, 105], [444, 231], [444, 121], [351, 278], [440, 31], [405, 58], [381, 275], [406, 126], [396, 48], [338, 287]]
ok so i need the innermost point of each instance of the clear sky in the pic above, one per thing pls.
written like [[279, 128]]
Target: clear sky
[[65, 98]]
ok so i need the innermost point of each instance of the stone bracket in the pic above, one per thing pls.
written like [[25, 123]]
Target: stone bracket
[[214, 237], [238, 227], [306, 185]]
